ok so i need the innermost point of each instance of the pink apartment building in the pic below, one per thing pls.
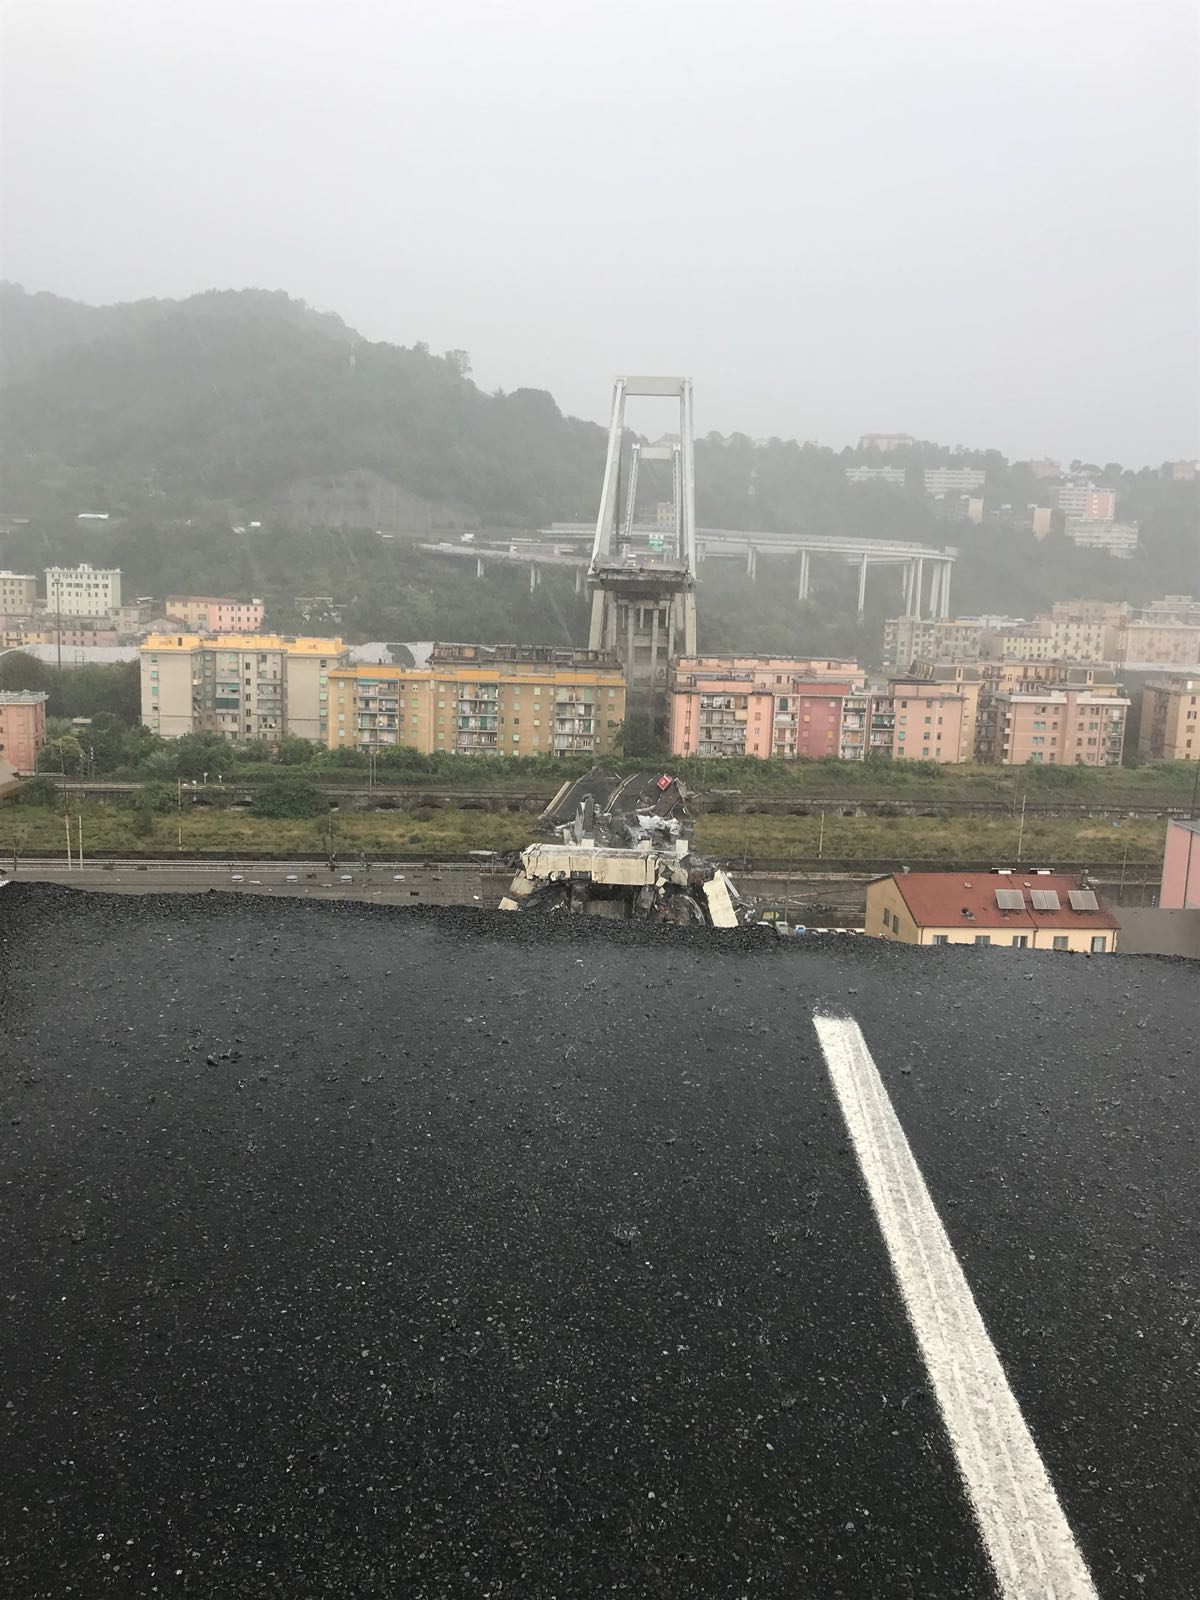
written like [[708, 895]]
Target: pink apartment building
[[211, 614], [22, 727], [1180, 887], [1059, 726], [758, 706]]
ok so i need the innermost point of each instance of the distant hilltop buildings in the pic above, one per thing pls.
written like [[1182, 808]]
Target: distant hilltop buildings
[[1084, 512], [83, 607], [1084, 632], [885, 441]]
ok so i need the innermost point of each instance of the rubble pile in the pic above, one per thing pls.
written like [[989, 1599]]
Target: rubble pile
[[623, 848]]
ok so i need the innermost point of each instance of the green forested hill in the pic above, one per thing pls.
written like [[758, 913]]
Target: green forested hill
[[187, 419], [230, 399]]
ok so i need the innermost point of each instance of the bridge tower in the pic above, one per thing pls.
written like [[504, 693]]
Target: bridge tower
[[642, 574]]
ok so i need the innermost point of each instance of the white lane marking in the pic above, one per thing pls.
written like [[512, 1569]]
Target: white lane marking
[[1027, 1537]]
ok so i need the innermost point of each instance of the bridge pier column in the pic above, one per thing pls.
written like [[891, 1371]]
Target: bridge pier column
[[862, 587], [804, 576], [578, 580], [533, 576], [944, 590], [479, 566], [920, 588], [751, 561]]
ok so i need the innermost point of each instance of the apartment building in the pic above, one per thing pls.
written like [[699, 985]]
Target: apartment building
[[243, 686], [1179, 889], [1085, 500], [951, 639], [885, 441], [484, 701], [1119, 539], [935, 712], [1048, 638], [1159, 644], [1015, 910], [1178, 608], [954, 480], [208, 614], [1170, 721], [1111, 612], [760, 706], [896, 476], [18, 593], [1063, 726], [22, 727], [78, 631], [83, 591]]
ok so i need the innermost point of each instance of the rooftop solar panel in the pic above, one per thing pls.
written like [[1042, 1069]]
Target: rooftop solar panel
[[1082, 900], [1010, 899], [1044, 899]]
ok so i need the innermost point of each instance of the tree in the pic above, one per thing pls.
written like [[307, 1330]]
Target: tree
[[295, 752], [62, 755], [21, 671], [288, 797], [37, 791], [197, 753]]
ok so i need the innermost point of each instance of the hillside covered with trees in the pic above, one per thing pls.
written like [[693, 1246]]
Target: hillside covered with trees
[[188, 421]]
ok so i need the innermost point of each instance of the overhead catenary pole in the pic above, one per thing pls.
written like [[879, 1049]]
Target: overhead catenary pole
[[67, 825], [1021, 828], [79, 824]]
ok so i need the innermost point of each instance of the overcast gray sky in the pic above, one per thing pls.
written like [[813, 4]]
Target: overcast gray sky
[[972, 220]]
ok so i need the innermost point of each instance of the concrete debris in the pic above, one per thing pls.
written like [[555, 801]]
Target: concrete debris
[[623, 848]]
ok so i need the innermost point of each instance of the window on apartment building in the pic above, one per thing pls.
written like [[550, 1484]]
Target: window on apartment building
[[516, 738], [983, 938], [940, 938], [1099, 942], [1020, 940]]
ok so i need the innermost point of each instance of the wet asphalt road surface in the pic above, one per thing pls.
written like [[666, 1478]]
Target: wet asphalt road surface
[[361, 1252]]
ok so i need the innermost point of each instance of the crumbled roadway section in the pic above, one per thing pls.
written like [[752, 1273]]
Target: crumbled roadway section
[[362, 1252]]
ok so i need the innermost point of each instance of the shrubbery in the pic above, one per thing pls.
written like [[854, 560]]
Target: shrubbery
[[288, 797]]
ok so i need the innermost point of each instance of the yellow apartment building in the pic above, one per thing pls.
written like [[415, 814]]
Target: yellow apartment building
[[479, 700], [243, 686], [18, 593], [1170, 725]]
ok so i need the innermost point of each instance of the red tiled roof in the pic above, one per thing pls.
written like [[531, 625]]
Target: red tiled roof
[[941, 899]]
